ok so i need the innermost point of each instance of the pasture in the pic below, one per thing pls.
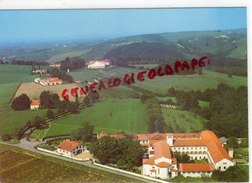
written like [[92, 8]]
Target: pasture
[[188, 121], [109, 115], [19, 165], [209, 79]]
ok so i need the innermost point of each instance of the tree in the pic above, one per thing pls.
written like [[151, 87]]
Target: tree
[[120, 163], [94, 96], [86, 100], [232, 142], [21, 102], [45, 100], [85, 133], [73, 107], [28, 123], [38, 121], [6, 137], [50, 114]]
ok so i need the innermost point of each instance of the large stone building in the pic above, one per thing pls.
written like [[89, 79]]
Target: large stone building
[[162, 146]]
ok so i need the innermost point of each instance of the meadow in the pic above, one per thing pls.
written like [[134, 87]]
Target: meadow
[[209, 79], [31, 167], [188, 121], [109, 115]]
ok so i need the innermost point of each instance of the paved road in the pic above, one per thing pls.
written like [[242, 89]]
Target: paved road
[[30, 146]]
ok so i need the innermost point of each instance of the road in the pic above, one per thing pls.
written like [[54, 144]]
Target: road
[[30, 146]]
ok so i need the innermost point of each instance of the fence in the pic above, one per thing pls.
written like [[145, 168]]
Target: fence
[[45, 150], [131, 173]]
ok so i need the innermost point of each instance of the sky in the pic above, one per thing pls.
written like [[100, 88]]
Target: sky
[[26, 25]]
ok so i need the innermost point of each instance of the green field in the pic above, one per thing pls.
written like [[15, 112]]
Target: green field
[[188, 121], [19, 165], [145, 65], [16, 73], [209, 79], [127, 115]]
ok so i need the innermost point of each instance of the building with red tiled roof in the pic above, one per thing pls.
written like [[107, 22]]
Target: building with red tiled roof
[[34, 104], [161, 147], [71, 148]]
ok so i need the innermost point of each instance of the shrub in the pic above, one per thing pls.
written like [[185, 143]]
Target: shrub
[[6, 137]]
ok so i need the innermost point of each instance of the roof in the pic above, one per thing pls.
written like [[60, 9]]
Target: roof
[[35, 102], [144, 144], [116, 136], [157, 136], [215, 148], [102, 134], [69, 145], [53, 79], [162, 149], [149, 161], [153, 170], [186, 135], [223, 139], [191, 142], [230, 148], [152, 142], [196, 167], [142, 137], [163, 164]]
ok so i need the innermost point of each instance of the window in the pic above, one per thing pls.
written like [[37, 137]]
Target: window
[[153, 167], [187, 148], [200, 148], [179, 148], [191, 152], [183, 148], [158, 171], [219, 167], [191, 147], [195, 147], [200, 157], [175, 148], [224, 168], [225, 163]]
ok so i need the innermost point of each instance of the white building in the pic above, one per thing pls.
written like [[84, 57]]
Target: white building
[[198, 146], [96, 65], [34, 104], [71, 148]]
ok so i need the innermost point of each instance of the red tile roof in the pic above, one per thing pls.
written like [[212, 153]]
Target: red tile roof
[[162, 149], [215, 147], [163, 164], [35, 102], [191, 142], [157, 136], [144, 144], [142, 137], [230, 148], [69, 145], [152, 142], [186, 135], [196, 167], [149, 161], [117, 136]]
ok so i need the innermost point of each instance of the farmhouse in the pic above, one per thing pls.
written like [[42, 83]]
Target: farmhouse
[[162, 146], [40, 72], [48, 81], [55, 65], [96, 65], [71, 148], [34, 104]]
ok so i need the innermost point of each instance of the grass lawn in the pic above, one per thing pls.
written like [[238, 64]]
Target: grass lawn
[[188, 121], [244, 152], [127, 115], [209, 79], [19, 165]]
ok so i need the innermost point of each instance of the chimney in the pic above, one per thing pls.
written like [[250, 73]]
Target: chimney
[[231, 152]]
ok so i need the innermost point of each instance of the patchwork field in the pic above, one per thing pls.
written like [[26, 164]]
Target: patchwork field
[[109, 115], [18, 165]]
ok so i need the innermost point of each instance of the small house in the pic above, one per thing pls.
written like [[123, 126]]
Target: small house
[[71, 148], [34, 104]]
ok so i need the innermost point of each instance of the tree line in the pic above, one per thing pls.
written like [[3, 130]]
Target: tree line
[[227, 113], [72, 64]]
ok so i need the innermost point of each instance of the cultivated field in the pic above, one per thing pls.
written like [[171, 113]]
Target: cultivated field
[[109, 115], [188, 121], [33, 90], [18, 165]]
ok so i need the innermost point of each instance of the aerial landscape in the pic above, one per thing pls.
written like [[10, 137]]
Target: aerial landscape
[[124, 95]]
